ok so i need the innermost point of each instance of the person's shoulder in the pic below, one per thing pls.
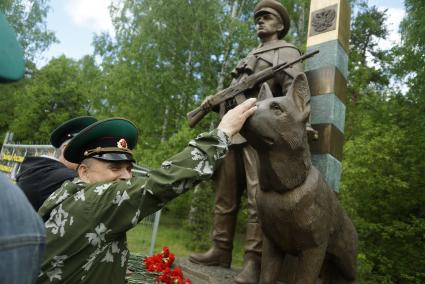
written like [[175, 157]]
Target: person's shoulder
[[285, 43], [61, 168], [44, 168], [281, 46], [40, 161], [289, 47], [33, 165]]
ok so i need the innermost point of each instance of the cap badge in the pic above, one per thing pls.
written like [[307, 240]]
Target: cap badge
[[122, 144]]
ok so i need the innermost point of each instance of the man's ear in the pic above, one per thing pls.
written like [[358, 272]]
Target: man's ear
[[62, 150], [83, 172], [280, 27]]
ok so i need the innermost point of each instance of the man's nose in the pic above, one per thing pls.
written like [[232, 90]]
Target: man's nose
[[125, 174]]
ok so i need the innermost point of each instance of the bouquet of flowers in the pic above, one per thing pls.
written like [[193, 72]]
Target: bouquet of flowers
[[161, 263]]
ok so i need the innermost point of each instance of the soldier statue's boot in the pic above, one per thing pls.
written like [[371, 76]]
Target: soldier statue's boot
[[252, 261], [250, 273], [220, 254], [215, 256]]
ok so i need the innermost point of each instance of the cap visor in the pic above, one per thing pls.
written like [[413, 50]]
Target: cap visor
[[113, 157]]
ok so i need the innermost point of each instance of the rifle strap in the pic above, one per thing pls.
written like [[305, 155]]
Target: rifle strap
[[276, 61], [276, 57]]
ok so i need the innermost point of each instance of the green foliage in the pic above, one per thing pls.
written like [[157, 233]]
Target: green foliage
[[299, 12], [28, 18], [55, 94], [382, 182], [201, 217], [167, 56], [170, 234], [154, 157], [368, 64], [174, 234], [382, 191]]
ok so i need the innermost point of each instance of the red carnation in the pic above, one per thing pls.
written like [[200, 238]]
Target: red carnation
[[162, 262]]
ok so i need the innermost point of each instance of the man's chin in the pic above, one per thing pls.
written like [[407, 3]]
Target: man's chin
[[262, 34]]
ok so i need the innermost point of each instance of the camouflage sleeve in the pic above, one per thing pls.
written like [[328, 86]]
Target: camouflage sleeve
[[121, 205], [183, 171]]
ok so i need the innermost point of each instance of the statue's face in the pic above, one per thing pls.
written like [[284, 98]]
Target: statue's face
[[267, 25]]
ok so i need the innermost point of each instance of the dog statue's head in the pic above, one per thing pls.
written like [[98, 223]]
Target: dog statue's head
[[280, 121]]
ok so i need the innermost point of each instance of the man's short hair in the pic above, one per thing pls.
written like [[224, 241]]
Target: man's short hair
[[58, 151]]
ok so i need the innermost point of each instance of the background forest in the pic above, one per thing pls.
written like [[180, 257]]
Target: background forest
[[167, 55]]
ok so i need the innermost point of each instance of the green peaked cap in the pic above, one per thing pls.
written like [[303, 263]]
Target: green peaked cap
[[12, 66], [69, 129], [112, 138]]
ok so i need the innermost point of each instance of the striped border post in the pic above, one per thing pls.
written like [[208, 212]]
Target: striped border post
[[328, 31]]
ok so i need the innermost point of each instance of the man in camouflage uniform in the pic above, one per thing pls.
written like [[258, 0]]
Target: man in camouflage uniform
[[239, 169], [86, 219]]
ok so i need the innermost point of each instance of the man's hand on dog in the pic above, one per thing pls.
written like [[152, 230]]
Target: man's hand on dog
[[235, 118]]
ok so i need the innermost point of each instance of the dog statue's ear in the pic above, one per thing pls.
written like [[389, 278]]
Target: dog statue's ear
[[265, 92], [300, 93]]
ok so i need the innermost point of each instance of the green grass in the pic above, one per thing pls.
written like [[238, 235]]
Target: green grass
[[175, 237]]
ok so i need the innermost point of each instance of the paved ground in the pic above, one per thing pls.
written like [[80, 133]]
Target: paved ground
[[199, 274]]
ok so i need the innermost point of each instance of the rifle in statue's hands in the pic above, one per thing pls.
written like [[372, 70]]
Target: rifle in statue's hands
[[247, 83]]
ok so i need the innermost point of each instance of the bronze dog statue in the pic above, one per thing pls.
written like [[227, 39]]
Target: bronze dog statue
[[298, 212]]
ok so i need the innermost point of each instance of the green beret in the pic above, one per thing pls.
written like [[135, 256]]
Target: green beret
[[12, 65], [110, 139], [275, 8], [69, 129]]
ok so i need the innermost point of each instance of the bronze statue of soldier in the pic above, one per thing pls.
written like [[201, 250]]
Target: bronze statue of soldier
[[238, 171]]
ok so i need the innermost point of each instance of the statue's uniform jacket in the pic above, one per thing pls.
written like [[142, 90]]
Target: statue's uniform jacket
[[86, 224], [263, 57], [239, 169]]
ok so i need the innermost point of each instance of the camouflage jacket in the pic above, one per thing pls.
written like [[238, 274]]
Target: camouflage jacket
[[86, 224]]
